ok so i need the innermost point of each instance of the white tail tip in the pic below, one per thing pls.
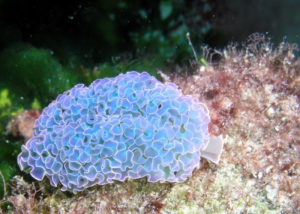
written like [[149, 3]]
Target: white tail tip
[[213, 150]]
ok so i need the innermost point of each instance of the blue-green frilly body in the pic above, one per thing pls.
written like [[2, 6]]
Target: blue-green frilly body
[[130, 126]]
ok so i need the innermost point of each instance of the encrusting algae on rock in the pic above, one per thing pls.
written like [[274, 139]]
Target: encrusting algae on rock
[[253, 96]]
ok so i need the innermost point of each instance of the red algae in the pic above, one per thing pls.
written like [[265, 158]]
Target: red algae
[[253, 98]]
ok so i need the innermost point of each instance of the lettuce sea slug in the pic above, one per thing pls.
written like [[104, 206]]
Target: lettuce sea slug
[[130, 126]]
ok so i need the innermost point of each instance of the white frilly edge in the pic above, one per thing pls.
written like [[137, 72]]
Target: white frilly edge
[[213, 149]]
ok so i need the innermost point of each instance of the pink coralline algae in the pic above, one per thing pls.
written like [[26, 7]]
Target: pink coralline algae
[[130, 126], [253, 95]]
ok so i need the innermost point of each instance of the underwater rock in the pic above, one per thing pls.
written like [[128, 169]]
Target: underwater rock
[[253, 96]]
